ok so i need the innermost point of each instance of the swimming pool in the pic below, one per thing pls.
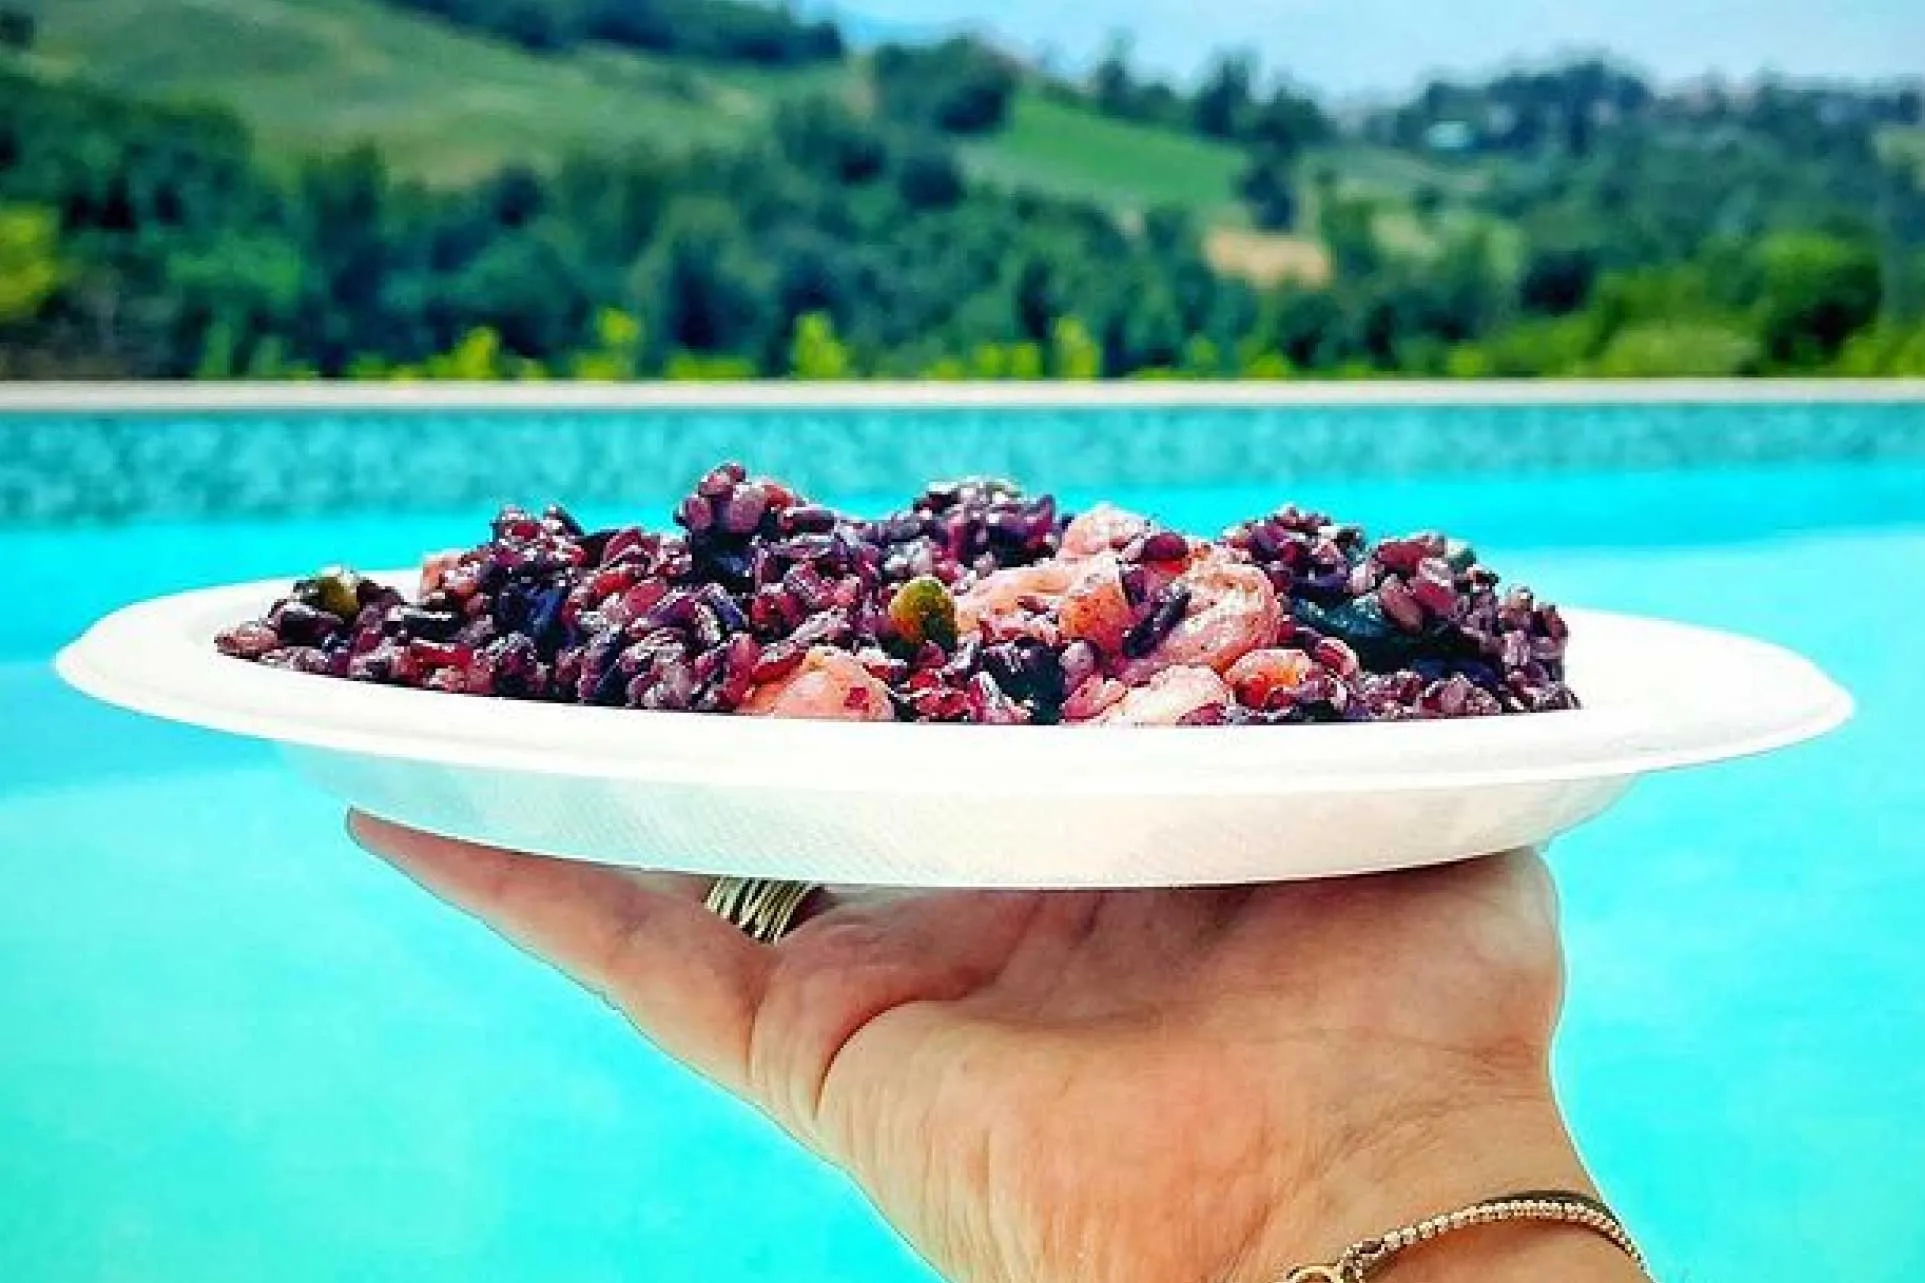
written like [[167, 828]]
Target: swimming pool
[[231, 1047]]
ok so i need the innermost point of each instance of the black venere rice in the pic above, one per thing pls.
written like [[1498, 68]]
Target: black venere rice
[[975, 603]]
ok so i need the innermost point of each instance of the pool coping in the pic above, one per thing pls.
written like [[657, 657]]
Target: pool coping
[[248, 397]]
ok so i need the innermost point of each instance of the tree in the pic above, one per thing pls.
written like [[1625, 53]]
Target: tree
[[1268, 187], [1558, 279], [1815, 290], [1678, 349], [1348, 225], [524, 290], [1035, 299], [343, 203], [1202, 359], [703, 281], [928, 178], [514, 196], [1427, 202], [17, 29], [30, 267], [960, 86], [1890, 350], [1073, 353], [816, 352], [616, 351], [1308, 328], [476, 357], [1153, 331], [532, 25], [1223, 103], [733, 30], [1288, 123], [822, 136], [1111, 85]]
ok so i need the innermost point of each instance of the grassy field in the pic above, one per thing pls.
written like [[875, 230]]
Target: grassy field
[[1391, 179], [1055, 147], [1380, 171], [321, 75]]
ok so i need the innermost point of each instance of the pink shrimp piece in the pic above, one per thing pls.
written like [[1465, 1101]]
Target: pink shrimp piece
[[1167, 698], [1233, 610], [1006, 599], [1095, 608], [829, 685], [435, 568], [1101, 529], [1261, 674], [1092, 698]]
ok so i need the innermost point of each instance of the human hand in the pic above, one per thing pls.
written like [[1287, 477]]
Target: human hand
[[1164, 1086]]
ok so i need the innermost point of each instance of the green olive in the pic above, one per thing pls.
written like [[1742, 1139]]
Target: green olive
[[924, 611], [336, 590]]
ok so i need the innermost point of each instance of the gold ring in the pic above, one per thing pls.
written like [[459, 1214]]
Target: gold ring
[[763, 908]]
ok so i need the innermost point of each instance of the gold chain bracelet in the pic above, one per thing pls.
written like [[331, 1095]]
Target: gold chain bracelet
[[1362, 1261]]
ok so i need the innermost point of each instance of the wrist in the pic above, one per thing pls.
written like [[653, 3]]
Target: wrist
[[1431, 1161]]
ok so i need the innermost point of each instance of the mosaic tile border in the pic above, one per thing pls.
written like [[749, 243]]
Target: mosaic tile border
[[99, 464]]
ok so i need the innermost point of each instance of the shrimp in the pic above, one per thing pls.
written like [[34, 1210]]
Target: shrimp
[[1101, 529], [829, 685], [1008, 599], [1233, 610], [1094, 697], [1095, 608], [435, 568], [1262, 674], [1167, 698]]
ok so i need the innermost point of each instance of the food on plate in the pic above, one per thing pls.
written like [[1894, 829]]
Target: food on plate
[[976, 603]]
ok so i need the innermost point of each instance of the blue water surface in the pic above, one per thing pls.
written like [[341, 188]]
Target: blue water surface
[[234, 1048]]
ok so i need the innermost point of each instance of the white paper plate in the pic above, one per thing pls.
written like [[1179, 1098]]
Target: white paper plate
[[923, 805]]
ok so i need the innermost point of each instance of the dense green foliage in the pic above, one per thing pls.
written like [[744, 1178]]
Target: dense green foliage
[[1571, 222], [1574, 107], [1230, 103], [188, 257], [16, 29], [738, 30], [960, 86]]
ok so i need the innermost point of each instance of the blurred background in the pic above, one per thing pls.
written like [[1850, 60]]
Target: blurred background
[[707, 189]]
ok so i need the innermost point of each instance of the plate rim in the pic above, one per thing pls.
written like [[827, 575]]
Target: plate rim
[[217, 692]]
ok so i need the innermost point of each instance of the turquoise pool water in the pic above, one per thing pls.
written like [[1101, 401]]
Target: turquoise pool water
[[232, 1048]]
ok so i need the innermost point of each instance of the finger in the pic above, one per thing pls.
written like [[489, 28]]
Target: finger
[[687, 979]]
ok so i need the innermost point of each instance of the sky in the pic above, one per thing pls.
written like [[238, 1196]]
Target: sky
[[1374, 46]]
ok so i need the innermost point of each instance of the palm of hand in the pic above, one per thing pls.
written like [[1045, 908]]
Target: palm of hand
[[978, 1061]]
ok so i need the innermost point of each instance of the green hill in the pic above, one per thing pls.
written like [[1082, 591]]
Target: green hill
[[447, 104], [1061, 148], [320, 75]]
